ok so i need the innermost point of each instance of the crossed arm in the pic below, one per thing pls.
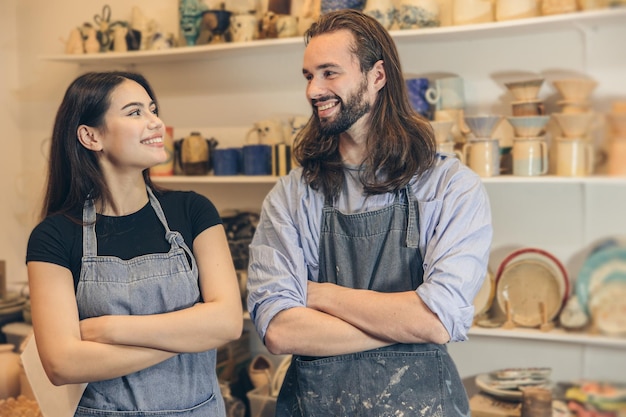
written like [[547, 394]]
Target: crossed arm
[[105, 347]]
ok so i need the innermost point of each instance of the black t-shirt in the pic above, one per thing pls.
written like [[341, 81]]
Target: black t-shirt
[[59, 239]]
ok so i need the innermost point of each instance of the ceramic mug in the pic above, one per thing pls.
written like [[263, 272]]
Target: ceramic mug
[[226, 161], [448, 148], [243, 27], [416, 89], [530, 157], [483, 157], [446, 93], [257, 159], [266, 132], [617, 158], [574, 157]]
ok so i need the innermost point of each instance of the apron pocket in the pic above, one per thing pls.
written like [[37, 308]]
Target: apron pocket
[[373, 383]]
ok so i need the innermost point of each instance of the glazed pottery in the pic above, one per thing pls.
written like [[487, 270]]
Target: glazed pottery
[[516, 9], [446, 93], [525, 90], [574, 157], [381, 10], [528, 126], [530, 157], [415, 14], [483, 157], [575, 89], [483, 126], [574, 125]]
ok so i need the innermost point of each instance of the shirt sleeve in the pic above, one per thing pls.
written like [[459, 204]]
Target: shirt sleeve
[[455, 241], [283, 252]]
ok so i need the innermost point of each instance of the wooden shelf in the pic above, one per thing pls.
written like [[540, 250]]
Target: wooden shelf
[[555, 335], [215, 179], [535, 25]]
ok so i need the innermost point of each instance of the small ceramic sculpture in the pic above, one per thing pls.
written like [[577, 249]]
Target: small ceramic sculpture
[[572, 316]]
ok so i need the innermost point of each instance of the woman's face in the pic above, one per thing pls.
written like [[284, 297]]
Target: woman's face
[[132, 138]]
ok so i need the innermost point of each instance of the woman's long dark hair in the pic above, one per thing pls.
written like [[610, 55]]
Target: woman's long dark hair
[[73, 170], [400, 142]]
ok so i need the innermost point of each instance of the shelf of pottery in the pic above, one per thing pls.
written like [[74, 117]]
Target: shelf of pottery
[[561, 143]]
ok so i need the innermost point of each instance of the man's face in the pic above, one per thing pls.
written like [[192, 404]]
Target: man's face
[[337, 89]]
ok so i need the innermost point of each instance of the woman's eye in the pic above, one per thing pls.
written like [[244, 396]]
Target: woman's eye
[[136, 112]]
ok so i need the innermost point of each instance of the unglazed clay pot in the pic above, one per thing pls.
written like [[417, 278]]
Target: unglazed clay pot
[[10, 374]]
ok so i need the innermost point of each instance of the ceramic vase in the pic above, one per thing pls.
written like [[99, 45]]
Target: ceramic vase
[[415, 14], [381, 10]]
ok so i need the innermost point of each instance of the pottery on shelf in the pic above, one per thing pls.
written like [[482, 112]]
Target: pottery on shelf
[[442, 129], [528, 126], [574, 125], [483, 126], [525, 90], [617, 123], [575, 89]]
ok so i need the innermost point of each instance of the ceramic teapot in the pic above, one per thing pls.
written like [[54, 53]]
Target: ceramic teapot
[[193, 154]]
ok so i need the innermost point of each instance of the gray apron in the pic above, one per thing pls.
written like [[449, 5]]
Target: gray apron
[[376, 250], [184, 385]]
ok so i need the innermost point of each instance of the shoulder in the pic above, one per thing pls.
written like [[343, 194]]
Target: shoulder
[[53, 239], [293, 191], [188, 200], [448, 175]]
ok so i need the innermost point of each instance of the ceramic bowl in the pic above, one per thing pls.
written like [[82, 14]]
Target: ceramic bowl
[[528, 126], [617, 122], [442, 129], [528, 108], [483, 126], [575, 89], [525, 90], [568, 106], [574, 125]]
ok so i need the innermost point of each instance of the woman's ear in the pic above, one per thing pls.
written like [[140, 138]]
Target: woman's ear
[[89, 138]]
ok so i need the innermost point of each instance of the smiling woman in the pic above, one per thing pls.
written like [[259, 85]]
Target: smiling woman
[[126, 278]]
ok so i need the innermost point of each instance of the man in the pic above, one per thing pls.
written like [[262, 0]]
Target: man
[[366, 259]]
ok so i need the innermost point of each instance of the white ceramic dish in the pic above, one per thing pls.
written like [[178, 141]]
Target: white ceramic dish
[[527, 278], [490, 385], [485, 296]]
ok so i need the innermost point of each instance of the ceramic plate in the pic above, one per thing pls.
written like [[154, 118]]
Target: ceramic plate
[[608, 308], [602, 266], [527, 278], [489, 385], [485, 296]]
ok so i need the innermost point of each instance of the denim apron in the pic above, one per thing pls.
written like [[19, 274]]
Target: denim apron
[[376, 250], [184, 385]]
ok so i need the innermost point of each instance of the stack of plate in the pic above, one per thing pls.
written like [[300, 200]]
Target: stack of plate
[[528, 279], [601, 289], [508, 383]]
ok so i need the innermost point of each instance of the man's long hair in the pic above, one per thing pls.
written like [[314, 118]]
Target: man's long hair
[[400, 142]]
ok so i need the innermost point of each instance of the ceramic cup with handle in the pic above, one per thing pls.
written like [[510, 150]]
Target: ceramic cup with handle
[[446, 93], [530, 157], [483, 156], [574, 157]]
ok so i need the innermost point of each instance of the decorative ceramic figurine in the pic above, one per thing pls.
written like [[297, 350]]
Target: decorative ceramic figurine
[[190, 18], [119, 38], [74, 44], [92, 45]]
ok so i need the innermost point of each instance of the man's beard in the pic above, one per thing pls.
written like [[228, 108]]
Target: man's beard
[[350, 112]]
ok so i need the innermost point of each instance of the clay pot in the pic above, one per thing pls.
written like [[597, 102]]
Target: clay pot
[[10, 375]]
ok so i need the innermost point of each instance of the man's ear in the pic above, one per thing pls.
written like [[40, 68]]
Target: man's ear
[[89, 138], [378, 75]]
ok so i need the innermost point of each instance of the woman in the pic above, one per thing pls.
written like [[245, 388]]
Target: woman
[[132, 288]]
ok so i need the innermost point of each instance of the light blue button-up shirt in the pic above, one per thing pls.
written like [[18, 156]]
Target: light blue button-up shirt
[[455, 238]]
